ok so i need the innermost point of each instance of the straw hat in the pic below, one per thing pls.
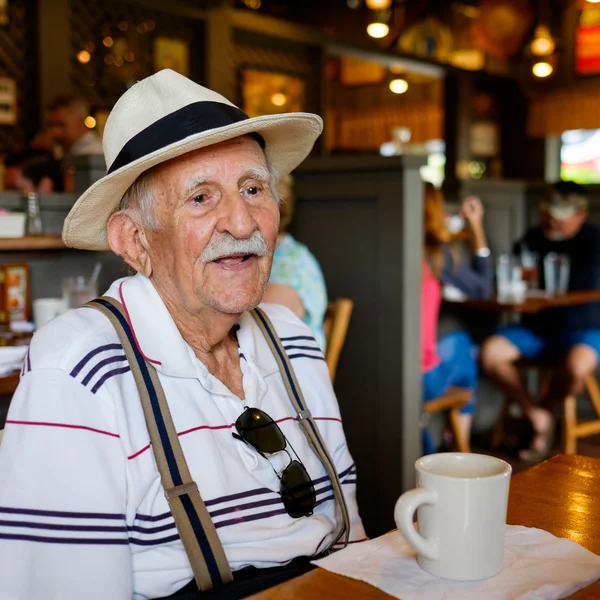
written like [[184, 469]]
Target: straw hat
[[165, 116]]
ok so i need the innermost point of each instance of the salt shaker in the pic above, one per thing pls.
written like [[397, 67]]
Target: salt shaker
[[34, 217]]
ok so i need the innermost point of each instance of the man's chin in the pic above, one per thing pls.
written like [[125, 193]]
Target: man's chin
[[238, 304]]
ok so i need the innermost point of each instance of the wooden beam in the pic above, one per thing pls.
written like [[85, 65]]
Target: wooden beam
[[54, 50]]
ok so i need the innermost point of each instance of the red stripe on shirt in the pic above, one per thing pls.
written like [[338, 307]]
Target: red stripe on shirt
[[214, 427], [66, 425], [352, 542]]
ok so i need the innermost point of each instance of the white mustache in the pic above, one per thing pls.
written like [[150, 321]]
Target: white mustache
[[227, 245]]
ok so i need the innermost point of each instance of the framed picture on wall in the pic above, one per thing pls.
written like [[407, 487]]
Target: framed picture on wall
[[14, 292], [171, 53], [270, 92]]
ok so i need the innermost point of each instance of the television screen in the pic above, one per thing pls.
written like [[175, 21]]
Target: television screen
[[580, 155]]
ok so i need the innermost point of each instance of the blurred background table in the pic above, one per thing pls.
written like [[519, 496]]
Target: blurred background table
[[531, 304], [8, 383], [559, 496]]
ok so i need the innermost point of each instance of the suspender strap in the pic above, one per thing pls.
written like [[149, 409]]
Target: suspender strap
[[193, 520], [307, 423]]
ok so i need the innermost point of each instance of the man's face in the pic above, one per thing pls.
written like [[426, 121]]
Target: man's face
[[561, 229], [216, 194], [66, 126], [16, 181]]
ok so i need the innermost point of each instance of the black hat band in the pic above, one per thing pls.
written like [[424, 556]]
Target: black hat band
[[176, 126]]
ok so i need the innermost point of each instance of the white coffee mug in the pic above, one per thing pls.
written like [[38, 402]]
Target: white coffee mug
[[461, 502], [45, 309]]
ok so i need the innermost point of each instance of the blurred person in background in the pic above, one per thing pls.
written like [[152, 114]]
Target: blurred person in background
[[32, 171], [296, 277], [568, 336], [67, 128], [451, 360]]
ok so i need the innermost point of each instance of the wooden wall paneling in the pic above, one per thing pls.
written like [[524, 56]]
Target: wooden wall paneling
[[364, 225]]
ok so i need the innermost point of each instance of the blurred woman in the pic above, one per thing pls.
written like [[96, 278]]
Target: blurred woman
[[452, 360], [296, 277]]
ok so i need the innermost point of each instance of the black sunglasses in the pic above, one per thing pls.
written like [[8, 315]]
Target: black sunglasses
[[257, 429]]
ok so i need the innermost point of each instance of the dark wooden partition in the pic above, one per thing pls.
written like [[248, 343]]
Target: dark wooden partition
[[362, 218]]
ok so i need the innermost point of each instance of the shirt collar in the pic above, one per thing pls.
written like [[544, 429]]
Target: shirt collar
[[160, 341], [254, 346]]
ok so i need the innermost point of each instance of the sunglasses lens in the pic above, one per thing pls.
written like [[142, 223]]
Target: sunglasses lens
[[259, 430], [297, 491]]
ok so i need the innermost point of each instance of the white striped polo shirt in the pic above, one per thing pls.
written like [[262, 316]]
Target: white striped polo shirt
[[82, 510]]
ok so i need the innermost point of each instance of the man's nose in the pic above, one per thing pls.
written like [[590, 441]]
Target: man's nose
[[236, 217]]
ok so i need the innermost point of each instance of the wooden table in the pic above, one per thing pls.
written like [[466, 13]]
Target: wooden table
[[9, 383], [561, 495], [531, 304]]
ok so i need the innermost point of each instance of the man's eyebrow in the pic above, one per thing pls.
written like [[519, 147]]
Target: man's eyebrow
[[259, 173], [195, 183]]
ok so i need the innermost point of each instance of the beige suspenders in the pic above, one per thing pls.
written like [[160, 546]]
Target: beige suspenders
[[305, 419], [193, 521]]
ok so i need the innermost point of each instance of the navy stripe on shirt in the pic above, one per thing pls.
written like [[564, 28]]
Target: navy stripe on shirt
[[100, 369], [147, 526]]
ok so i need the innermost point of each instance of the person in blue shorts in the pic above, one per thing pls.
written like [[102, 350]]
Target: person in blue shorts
[[567, 336]]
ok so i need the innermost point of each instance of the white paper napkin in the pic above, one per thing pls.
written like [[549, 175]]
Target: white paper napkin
[[537, 565], [11, 358]]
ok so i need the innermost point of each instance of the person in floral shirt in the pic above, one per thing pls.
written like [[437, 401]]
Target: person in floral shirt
[[296, 277]]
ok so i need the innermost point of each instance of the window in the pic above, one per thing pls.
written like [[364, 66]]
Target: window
[[580, 155]]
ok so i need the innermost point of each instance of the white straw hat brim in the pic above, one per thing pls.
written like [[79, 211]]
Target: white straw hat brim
[[288, 138]]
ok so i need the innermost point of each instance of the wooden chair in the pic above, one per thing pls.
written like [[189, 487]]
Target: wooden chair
[[572, 429], [337, 319], [452, 401]]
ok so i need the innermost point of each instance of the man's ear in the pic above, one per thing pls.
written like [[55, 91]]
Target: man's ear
[[128, 240], [45, 186]]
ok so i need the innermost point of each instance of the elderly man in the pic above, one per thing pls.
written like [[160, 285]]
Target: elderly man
[[188, 204], [569, 336]]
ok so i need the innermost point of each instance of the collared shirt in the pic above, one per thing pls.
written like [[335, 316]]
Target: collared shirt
[[88, 143], [82, 510]]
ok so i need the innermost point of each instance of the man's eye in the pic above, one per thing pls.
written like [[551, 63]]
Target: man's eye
[[199, 199], [252, 191]]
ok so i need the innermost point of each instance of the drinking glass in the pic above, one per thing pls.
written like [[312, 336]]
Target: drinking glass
[[557, 268], [530, 267], [509, 275], [77, 290]]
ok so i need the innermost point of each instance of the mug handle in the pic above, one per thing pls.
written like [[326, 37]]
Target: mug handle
[[403, 515]]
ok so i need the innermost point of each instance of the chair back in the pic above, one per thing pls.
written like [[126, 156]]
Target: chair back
[[337, 319]]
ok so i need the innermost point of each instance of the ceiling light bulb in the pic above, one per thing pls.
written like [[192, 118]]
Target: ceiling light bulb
[[542, 69], [378, 4], [278, 99], [377, 30], [543, 44], [398, 86], [84, 57]]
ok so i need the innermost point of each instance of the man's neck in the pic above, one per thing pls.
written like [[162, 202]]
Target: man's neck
[[207, 331]]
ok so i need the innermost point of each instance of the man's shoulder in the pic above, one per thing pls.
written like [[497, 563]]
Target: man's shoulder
[[68, 339], [591, 229]]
